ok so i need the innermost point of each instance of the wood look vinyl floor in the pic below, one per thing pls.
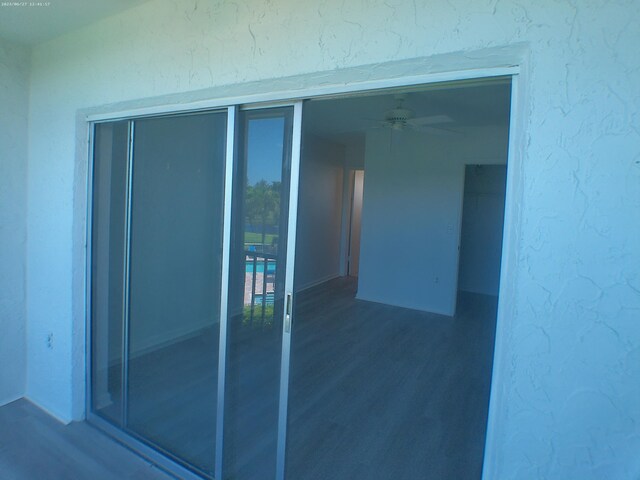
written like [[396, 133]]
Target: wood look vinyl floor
[[380, 392], [376, 392]]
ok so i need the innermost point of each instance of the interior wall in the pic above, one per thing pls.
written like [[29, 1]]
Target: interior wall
[[567, 359], [319, 212], [14, 98], [411, 208], [482, 222], [354, 159], [411, 215]]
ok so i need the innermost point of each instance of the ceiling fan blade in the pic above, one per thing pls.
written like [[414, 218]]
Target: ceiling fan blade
[[436, 130], [375, 123], [430, 120]]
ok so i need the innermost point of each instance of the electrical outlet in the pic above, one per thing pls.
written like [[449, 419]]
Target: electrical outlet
[[50, 340], [436, 280]]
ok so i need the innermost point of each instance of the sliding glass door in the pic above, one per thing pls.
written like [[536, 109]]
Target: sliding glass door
[[193, 220], [157, 243]]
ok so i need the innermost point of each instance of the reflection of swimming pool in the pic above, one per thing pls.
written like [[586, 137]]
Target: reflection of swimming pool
[[271, 267], [270, 299]]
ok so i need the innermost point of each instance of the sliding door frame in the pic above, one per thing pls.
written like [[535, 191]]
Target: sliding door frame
[[233, 104], [126, 278], [296, 147], [230, 157]]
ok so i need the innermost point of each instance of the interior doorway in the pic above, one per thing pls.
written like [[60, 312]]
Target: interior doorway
[[353, 259], [481, 231]]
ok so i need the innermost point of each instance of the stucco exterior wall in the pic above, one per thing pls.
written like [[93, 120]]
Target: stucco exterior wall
[[568, 402]]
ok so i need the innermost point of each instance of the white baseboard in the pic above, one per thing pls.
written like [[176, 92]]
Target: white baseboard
[[410, 307], [316, 282], [170, 337], [42, 406], [9, 399], [478, 292]]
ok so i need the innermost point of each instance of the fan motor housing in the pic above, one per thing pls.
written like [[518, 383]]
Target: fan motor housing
[[398, 116]]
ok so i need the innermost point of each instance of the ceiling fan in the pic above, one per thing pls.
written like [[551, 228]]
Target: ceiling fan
[[401, 118]]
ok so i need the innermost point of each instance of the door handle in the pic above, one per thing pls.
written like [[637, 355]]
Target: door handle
[[287, 316]]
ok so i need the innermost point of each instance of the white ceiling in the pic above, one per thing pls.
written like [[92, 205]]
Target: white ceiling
[[47, 19], [469, 104]]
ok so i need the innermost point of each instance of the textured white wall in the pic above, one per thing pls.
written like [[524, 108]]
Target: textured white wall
[[14, 95], [568, 405]]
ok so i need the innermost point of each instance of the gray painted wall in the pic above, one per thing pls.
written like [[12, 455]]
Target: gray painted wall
[[319, 212], [14, 94], [481, 235]]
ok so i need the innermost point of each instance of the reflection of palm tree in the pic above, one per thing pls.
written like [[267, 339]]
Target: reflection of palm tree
[[263, 205]]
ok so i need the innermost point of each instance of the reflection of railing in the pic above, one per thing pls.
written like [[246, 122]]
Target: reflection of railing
[[259, 288]]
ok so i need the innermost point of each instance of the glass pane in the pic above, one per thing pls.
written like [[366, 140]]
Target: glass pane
[[256, 292], [175, 278], [107, 245]]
